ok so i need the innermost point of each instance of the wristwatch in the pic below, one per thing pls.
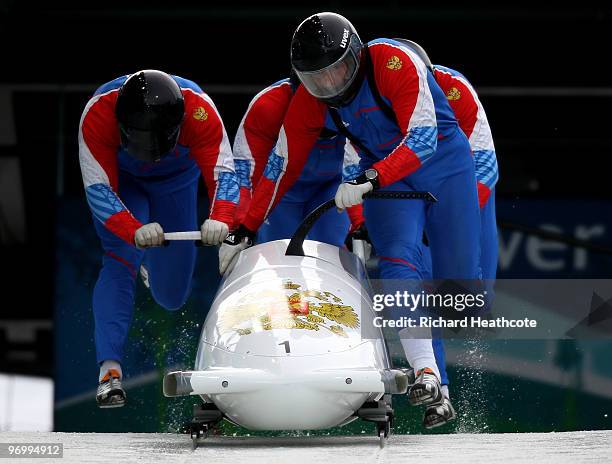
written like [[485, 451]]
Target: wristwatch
[[369, 175]]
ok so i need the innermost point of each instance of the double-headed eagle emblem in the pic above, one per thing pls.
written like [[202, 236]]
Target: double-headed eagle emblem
[[288, 308]]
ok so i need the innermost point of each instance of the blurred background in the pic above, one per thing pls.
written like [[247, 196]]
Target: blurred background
[[540, 71]]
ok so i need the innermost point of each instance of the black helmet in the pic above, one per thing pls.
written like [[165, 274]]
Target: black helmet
[[420, 51], [150, 109], [326, 54]]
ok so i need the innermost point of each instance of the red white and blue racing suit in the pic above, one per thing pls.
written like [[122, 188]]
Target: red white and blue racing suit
[[472, 119], [322, 174], [427, 151], [124, 193], [473, 122]]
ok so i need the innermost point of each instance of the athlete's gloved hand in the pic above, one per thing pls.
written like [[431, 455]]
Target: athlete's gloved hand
[[213, 232], [235, 242], [350, 194], [149, 235]]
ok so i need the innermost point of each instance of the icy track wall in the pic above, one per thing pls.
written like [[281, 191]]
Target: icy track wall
[[497, 386]]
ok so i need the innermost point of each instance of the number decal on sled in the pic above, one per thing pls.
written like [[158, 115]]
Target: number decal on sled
[[287, 348]]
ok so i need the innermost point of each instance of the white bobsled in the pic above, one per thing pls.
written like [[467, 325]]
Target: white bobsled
[[288, 344]]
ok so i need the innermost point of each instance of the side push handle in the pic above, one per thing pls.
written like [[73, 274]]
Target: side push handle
[[194, 235], [295, 247]]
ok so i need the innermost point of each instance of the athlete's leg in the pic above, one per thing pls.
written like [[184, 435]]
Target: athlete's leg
[[453, 229], [453, 232], [171, 268], [113, 296], [396, 230], [437, 343], [488, 264]]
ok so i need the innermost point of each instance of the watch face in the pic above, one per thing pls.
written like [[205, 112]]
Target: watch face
[[370, 174]]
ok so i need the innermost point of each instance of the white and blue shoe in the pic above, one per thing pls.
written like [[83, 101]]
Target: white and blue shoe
[[110, 393]]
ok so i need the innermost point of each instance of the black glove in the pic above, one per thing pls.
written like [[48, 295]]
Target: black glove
[[237, 236]]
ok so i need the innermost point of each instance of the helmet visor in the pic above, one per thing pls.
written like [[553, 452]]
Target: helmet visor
[[333, 80], [148, 145]]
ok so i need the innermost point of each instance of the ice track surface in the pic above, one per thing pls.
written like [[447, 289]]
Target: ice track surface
[[567, 447]]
